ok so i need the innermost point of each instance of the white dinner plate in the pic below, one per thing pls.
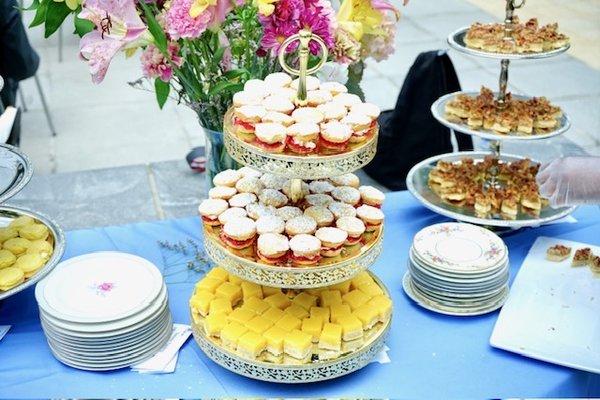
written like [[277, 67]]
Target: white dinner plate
[[99, 287], [474, 277], [459, 247], [457, 290]]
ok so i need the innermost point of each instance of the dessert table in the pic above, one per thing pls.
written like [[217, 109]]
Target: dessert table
[[431, 354]]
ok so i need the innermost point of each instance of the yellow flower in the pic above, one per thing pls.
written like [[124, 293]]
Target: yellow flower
[[358, 18], [265, 7], [198, 7], [72, 4]]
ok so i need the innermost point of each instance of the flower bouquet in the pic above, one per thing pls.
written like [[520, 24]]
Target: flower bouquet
[[200, 52]]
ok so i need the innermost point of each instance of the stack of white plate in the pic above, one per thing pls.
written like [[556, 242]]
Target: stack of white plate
[[104, 311], [457, 269]]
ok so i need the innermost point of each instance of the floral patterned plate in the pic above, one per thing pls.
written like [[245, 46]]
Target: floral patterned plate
[[459, 248]]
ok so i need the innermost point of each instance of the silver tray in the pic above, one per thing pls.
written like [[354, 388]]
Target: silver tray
[[416, 182], [15, 171], [58, 237], [439, 113], [456, 40], [288, 373]]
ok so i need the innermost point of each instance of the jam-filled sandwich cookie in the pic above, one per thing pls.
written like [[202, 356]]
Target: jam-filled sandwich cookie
[[371, 196], [249, 184], [242, 200], [305, 250], [279, 118], [340, 209], [300, 225], [277, 80], [321, 215], [233, 212], [272, 197], [360, 124], [278, 103], [222, 192], [348, 179], [239, 233], [289, 212], [371, 216], [318, 200], [332, 240], [346, 194], [334, 88], [270, 224], [270, 136], [302, 137], [335, 136], [312, 83], [210, 209], [229, 177], [272, 248], [354, 227], [245, 119]]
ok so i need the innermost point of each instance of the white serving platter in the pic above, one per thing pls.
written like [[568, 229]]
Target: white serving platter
[[553, 311]]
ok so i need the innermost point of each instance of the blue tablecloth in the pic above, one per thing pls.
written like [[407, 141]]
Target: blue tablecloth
[[432, 355]]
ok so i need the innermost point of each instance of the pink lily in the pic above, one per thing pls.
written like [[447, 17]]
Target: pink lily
[[118, 27], [383, 5]]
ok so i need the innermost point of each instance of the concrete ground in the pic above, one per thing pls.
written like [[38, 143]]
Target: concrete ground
[[111, 124]]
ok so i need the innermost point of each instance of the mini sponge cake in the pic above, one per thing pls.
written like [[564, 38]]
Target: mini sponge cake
[[348, 179], [318, 199], [333, 111], [312, 83], [305, 250], [347, 99], [229, 177], [249, 184], [368, 109], [340, 209], [246, 98], [272, 248], [308, 114], [233, 212], [300, 225], [278, 80], [354, 227], [245, 117], [10, 277], [272, 181], [242, 200], [239, 233], [257, 210], [29, 264], [335, 136], [222, 192], [248, 172], [210, 209], [278, 117], [332, 240], [317, 97], [270, 136], [320, 187], [302, 137], [278, 103], [272, 197], [288, 212], [371, 196], [346, 194], [321, 215], [371, 216], [270, 224], [360, 124]]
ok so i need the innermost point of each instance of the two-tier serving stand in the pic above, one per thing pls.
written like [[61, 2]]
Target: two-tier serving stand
[[417, 178], [296, 168]]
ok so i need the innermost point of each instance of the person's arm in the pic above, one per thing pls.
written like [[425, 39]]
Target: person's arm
[[571, 181]]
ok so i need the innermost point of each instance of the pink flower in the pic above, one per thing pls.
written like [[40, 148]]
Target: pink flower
[[155, 65], [118, 27], [381, 46], [181, 25]]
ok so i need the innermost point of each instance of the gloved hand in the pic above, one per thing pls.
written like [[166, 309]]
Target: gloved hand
[[570, 181]]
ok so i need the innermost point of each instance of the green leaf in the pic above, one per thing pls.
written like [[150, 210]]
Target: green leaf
[[225, 86], [162, 91], [40, 13], [236, 73], [160, 39], [56, 14], [34, 5], [218, 56], [82, 26]]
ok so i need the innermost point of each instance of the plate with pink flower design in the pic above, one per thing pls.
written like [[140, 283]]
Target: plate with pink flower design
[[99, 287], [459, 248]]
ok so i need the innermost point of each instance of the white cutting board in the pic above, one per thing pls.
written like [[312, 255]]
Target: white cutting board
[[553, 310]]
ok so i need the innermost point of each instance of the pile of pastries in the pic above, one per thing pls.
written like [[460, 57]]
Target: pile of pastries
[[266, 114], [526, 117], [461, 184], [529, 37], [582, 257], [289, 326], [25, 250], [261, 217]]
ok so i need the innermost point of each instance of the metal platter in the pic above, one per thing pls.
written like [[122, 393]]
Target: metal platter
[[456, 40], [294, 166], [293, 277], [57, 238], [439, 113], [15, 171], [416, 182], [291, 373]]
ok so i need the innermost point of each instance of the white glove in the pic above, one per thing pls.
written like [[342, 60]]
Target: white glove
[[570, 181]]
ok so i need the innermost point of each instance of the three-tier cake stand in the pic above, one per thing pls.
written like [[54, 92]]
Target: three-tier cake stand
[[417, 178], [297, 168]]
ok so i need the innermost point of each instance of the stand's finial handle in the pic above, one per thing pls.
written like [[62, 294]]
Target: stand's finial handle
[[304, 37]]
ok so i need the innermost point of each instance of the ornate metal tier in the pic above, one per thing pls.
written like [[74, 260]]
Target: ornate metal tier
[[57, 236], [438, 111], [417, 184], [15, 171], [291, 373], [292, 166], [293, 277]]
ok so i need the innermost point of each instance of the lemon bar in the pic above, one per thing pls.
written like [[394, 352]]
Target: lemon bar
[[361, 279], [330, 297], [200, 302], [297, 344], [288, 322], [218, 273], [268, 291], [320, 312], [352, 345], [343, 287], [259, 324], [314, 292], [220, 305], [274, 336], [209, 284], [351, 327], [312, 326], [251, 344], [337, 310], [214, 324], [305, 300], [383, 305], [231, 292], [241, 315], [355, 298], [257, 305], [297, 311], [367, 315], [273, 314], [371, 289], [236, 280], [278, 300], [250, 289], [231, 333], [331, 337]]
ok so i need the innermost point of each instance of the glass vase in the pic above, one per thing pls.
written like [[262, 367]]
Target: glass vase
[[217, 158]]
